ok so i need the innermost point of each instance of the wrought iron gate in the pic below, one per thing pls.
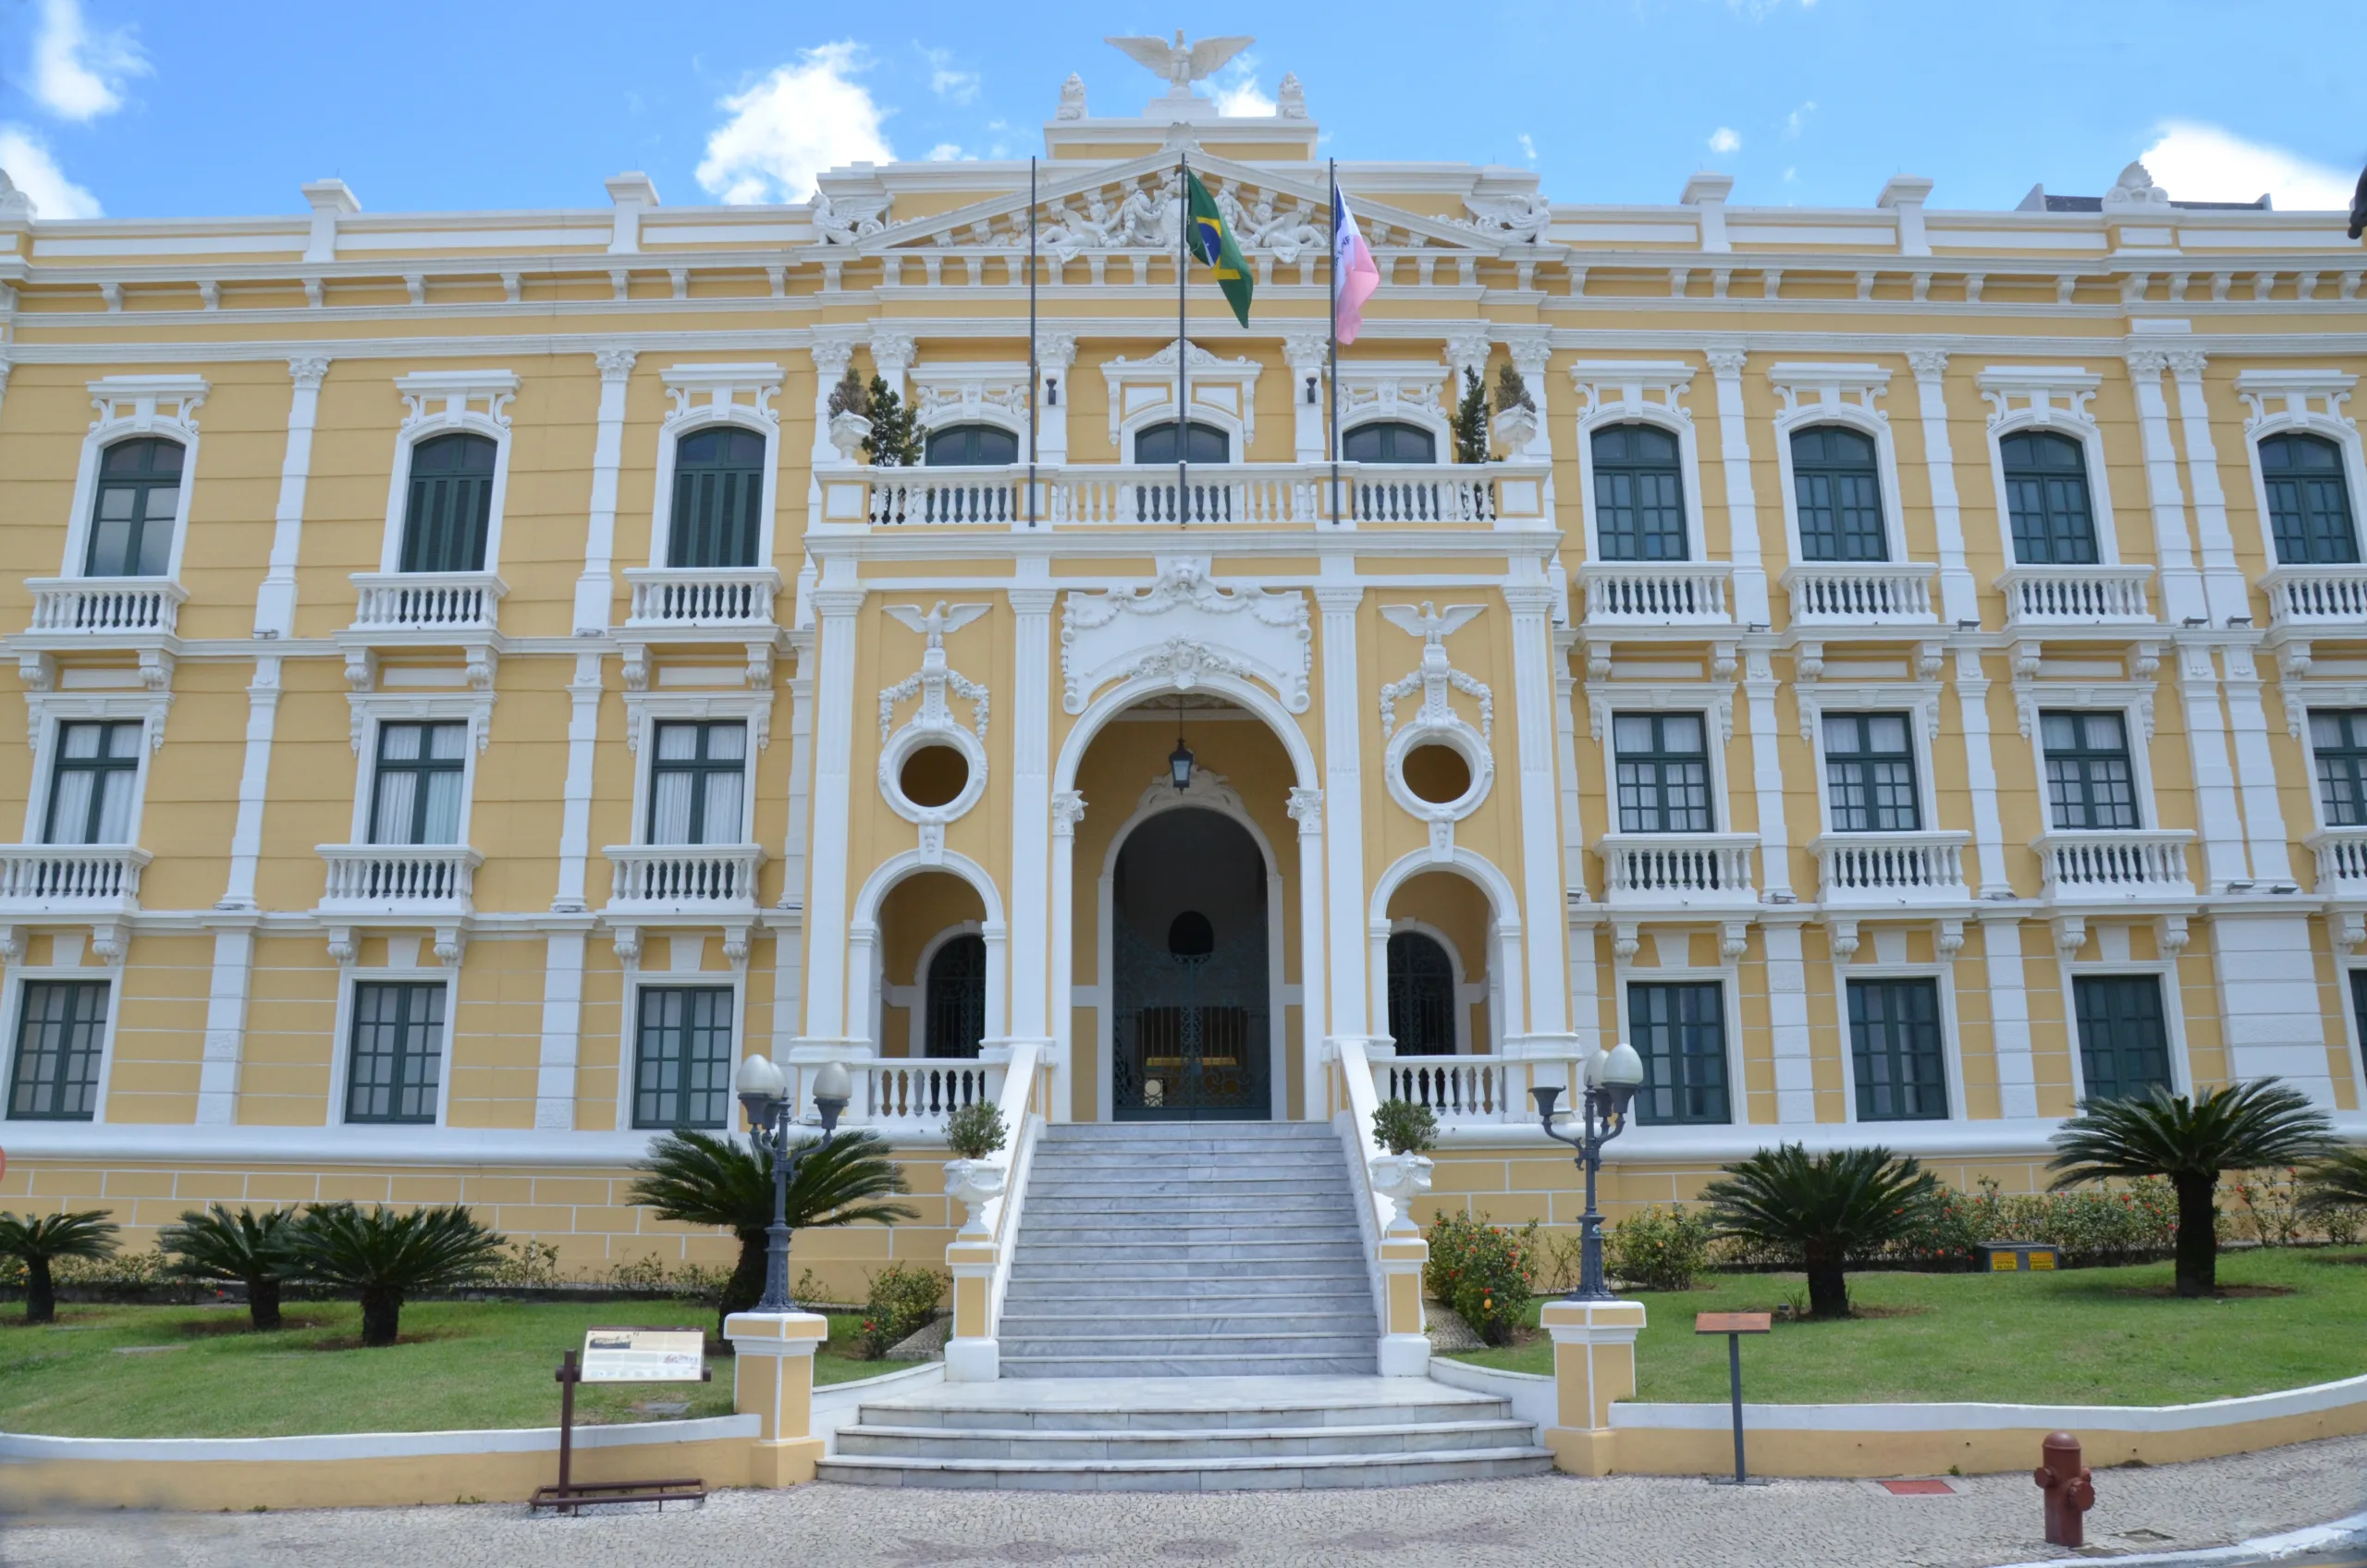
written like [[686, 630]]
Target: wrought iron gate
[[1193, 1033]]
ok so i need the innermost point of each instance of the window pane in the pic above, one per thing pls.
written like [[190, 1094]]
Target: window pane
[[399, 743], [397, 807], [61, 1028], [1631, 734], [727, 743], [669, 816], [2339, 747], [395, 1062], [113, 822], [2123, 1041], [1681, 732], [720, 822], [684, 1058], [440, 823], [1680, 1032], [1896, 1043]]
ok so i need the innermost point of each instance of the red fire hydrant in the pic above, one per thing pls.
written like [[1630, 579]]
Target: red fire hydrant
[[2070, 1488]]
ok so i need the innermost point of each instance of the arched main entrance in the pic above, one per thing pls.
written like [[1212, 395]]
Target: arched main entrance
[[1191, 1005]]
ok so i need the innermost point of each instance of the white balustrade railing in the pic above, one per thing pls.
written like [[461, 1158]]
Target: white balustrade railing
[[1888, 868], [1861, 594], [2316, 595], [2076, 596], [996, 495], [894, 1096], [69, 876], [1678, 867], [1656, 592], [427, 601], [1458, 1090], [395, 877], [1356, 1100], [99, 605], [700, 597], [2133, 862], [1244, 495], [2342, 860], [685, 876]]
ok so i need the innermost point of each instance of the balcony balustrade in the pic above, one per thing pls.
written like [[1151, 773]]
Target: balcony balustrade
[[2042, 596], [733, 599], [683, 878], [432, 880], [1229, 495], [2313, 597], [1657, 593], [67, 880], [1692, 870], [1861, 594], [2078, 867], [107, 606], [1890, 869], [456, 603], [2342, 861]]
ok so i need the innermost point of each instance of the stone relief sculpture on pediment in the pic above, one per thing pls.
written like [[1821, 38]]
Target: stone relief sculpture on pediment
[[1182, 628]]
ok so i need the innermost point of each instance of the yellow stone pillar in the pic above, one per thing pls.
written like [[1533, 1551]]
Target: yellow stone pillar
[[773, 1380], [1594, 1363], [971, 1352], [1405, 1348]]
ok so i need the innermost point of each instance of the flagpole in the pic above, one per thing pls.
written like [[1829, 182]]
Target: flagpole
[[1331, 380], [1183, 345], [1035, 380]]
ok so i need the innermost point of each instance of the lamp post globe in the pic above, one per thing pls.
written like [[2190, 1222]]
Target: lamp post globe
[[1609, 1080]]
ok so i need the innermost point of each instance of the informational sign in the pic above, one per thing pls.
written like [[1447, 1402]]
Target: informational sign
[[2016, 1257], [1734, 1322], [643, 1355]]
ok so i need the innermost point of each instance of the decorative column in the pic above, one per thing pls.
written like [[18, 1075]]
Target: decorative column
[[595, 589], [1742, 502], [1980, 774], [1759, 685], [1343, 790], [789, 947], [2182, 595], [1306, 353], [1594, 1367], [1055, 353], [276, 602], [2214, 781], [1792, 1044], [1466, 354], [831, 357], [772, 1378], [1530, 349], [2223, 577], [2255, 766], [1544, 1014], [564, 941], [1577, 933], [1068, 810], [829, 1016], [2009, 1016], [1031, 802], [892, 356], [1306, 810], [234, 941], [575, 794], [1960, 595]]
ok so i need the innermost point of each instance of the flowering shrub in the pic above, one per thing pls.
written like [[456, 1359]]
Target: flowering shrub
[[2124, 1223], [1487, 1273], [1657, 1249], [902, 1300], [2267, 1207]]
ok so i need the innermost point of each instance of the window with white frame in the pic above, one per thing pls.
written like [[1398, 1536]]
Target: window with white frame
[[1870, 773], [2091, 781], [717, 518], [1679, 1028], [1389, 441], [2308, 501], [697, 783], [138, 497], [448, 514], [395, 1069], [971, 446], [2124, 1040], [1206, 444], [2338, 754], [1663, 772], [1837, 490], [1896, 1049], [418, 783], [1638, 494], [683, 1057], [61, 1036], [2048, 499], [93, 783]]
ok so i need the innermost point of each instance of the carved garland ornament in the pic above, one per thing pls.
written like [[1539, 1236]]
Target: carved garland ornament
[[1182, 630]]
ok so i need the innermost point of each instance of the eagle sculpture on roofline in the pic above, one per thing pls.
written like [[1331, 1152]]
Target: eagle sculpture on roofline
[[1182, 64]]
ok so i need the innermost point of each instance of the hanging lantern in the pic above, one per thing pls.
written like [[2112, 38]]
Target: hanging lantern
[[1179, 759]]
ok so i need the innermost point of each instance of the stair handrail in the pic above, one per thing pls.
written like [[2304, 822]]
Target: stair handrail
[[981, 1264], [1352, 1120], [1030, 1075]]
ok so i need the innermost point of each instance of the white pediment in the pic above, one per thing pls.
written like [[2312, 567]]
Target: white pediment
[[1181, 630]]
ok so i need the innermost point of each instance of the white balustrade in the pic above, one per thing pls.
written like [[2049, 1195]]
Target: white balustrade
[[65, 877], [2316, 595], [104, 605], [427, 601], [1678, 868], [2076, 596], [1861, 594], [1891, 868], [395, 878], [894, 1096], [684, 876], [2342, 860], [2131, 864], [1452, 495], [701, 598], [1458, 1090], [1656, 592], [1237, 494], [949, 495]]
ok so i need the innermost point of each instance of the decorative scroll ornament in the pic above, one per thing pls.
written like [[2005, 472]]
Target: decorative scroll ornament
[[933, 724], [1182, 630], [1436, 722]]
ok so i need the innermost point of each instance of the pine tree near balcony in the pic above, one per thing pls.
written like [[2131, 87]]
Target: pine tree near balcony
[[1471, 420], [895, 438], [37, 1240], [2192, 1141], [1823, 1209], [245, 1248]]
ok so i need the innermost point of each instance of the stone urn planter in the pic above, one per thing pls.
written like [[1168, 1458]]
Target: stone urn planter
[[1401, 1178], [848, 433], [1515, 428], [978, 1182]]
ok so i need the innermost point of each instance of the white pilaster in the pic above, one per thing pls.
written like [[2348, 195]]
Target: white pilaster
[[829, 1012], [276, 601], [1068, 810], [1546, 1009], [1980, 774], [595, 589], [789, 952], [255, 777], [2222, 576], [2214, 782], [1306, 810], [1055, 354], [1031, 801], [2268, 999], [891, 357], [225, 1025], [2255, 766], [562, 1032], [1344, 705], [1787, 1022], [2182, 595], [575, 794], [1742, 503], [1960, 595], [1306, 353], [1759, 685], [1530, 349], [831, 357], [2009, 1017]]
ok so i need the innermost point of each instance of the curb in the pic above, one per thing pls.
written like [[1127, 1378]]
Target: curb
[[2334, 1545]]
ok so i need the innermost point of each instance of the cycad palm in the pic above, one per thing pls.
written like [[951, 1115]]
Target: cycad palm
[[699, 1178], [256, 1250], [383, 1256], [37, 1240], [1825, 1208], [2336, 1183], [2191, 1141]]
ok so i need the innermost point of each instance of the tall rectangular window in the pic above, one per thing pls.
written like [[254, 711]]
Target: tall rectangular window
[[61, 1028], [1895, 1042], [139, 495], [416, 793], [1837, 489], [448, 517], [2124, 1044], [695, 782], [1681, 1032], [718, 496], [398, 1053], [683, 1058], [2338, 748], [1664, 773], [2090, 783], [91, 785], [1638, 494], [1870, 773]]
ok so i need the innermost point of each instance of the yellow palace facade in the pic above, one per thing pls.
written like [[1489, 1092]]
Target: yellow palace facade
[[1905, 670]]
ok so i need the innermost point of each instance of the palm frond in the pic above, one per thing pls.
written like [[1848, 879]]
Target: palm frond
[[2236, 1127], [697, 1178], [217, 1244], [380, 1250], [1851, 1200], [2336, 1183], [84, 1234]]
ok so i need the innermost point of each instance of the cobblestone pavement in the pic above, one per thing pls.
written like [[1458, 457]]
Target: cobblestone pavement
[[1632, 1521]]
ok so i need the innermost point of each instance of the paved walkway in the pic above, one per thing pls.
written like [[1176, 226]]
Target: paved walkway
[[1620, 1522]]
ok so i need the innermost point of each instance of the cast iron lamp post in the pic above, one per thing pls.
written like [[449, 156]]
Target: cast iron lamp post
[[1612, 1078], [763, 1089]]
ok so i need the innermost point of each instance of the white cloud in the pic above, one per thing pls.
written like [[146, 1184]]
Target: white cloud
[[78, 75], [804, 118], [1527, 148], [1238, 94], [2201, 162], [955, 86], [1797, 121], [945, 153], [35, 173], [1725, 138], [1790, 175]]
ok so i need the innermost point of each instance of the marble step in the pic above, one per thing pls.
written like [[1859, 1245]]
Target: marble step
[[1244, 1189], [1320, 1294], [1207, 1362], [1191, 1475], [1018, 1350], [1165, 1318], [1182, 1404], [1077, 1233], [1255, 1252], [1267, 1442], [1084, 1282]]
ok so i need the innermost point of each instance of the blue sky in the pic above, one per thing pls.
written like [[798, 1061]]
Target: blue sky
[[138, 108]]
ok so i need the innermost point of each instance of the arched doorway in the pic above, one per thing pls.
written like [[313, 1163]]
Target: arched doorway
[[954, 1020], [1192, 1036]]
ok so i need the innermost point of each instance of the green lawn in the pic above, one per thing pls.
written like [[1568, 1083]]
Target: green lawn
[[2104, 1336], [199, 1371]]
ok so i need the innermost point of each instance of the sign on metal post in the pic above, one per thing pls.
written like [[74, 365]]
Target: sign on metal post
[[1735, 1325], [622, 1355]]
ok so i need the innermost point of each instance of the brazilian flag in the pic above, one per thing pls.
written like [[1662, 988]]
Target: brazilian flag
[[1212, 242]]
